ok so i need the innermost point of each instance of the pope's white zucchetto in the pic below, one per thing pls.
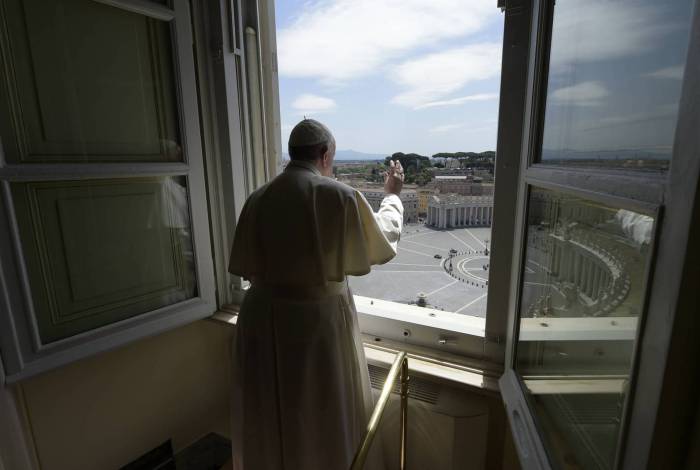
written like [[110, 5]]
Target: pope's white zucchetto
[[309, 132]]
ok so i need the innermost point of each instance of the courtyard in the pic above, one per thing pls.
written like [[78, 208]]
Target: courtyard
[[416, 269]]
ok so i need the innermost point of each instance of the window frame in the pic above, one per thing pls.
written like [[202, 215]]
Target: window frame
[[23, 354], [223, 43], [659, 193], [484, 347]]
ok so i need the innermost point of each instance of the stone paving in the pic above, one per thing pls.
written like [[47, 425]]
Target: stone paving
[[415, 269]]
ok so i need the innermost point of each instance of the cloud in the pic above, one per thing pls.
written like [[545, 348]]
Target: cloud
[[313, 104], [599, 30], [339, 40], [466, 126], [675, 72], [446, 128], [459, 101], [430, 78], [660, 113], [581, 94]]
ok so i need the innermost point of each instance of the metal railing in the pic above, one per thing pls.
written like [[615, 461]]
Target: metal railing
[[400, 366]]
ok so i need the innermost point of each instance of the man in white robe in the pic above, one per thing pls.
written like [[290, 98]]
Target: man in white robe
[[301, 391]]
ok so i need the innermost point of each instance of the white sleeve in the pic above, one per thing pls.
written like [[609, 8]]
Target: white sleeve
[[389, 217]]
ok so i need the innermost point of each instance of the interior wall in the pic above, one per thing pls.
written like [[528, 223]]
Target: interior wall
[[105, 411]]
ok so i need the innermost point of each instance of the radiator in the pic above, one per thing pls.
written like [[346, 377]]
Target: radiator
[[447, 426]]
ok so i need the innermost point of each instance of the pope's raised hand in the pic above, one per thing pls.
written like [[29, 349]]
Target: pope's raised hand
[[393, 178]]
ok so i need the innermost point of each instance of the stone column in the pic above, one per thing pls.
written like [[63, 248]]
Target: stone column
[[596, 281]]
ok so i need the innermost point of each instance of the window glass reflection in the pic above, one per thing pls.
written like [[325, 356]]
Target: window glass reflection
[[615, 73], [582, 294], [92, 83], [100, 251]]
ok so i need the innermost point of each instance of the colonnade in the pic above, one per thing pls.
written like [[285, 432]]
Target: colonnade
[[584, 270], [459, 216]]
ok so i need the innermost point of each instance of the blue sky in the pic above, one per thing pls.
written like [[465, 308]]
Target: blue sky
[[392, 75]]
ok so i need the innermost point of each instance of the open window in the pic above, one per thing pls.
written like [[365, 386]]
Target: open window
[[608, 163], [418, 83]]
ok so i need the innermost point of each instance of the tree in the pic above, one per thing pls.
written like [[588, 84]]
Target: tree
[[410, 160]]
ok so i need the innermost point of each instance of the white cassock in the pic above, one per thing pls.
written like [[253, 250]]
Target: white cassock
[[301, 391]]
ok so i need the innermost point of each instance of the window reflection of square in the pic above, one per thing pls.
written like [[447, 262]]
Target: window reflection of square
[[583, 289]]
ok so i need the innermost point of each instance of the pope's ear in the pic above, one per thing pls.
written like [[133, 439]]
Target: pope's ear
[[326, 154]]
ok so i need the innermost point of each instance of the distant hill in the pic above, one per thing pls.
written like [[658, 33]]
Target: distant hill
[[354, 155], [350, 155]]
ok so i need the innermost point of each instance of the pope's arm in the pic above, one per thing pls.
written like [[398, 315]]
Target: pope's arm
[[389, 218], [382, 229]]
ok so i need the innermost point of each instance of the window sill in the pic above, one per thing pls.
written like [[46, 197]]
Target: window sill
[[422, 316], [435, 364], [453, 373]]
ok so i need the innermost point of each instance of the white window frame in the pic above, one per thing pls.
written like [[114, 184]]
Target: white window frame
[[664, 363], [237, 85], [23, 354], [462, 339], [466, 339]]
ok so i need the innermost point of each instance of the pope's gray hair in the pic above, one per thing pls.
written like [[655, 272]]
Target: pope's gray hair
[[310, 152]]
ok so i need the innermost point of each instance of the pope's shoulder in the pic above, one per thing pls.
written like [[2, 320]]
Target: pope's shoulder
[[328, 188]]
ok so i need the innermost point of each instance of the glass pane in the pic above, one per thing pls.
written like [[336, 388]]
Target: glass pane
[[436, 113], [101, 251], [90, 83], [582, 294], [615, 74]]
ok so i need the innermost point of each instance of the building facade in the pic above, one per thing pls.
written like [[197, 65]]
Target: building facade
[[453, 210], [465, 185], [423, 195]]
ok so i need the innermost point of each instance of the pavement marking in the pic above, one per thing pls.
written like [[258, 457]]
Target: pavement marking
[[416, 252], [552, 286], [466, 272], [529, 271], [411, 264], [472, 302], [545, 268], [418, 235], [461, 241], [474, 237], [441, 288], [393, 271], [429, 246]]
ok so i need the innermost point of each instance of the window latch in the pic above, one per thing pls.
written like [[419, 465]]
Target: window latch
[[447, 340]]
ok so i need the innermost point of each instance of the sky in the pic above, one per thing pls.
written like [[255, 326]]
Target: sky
[[392, 75], [615, 76]]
